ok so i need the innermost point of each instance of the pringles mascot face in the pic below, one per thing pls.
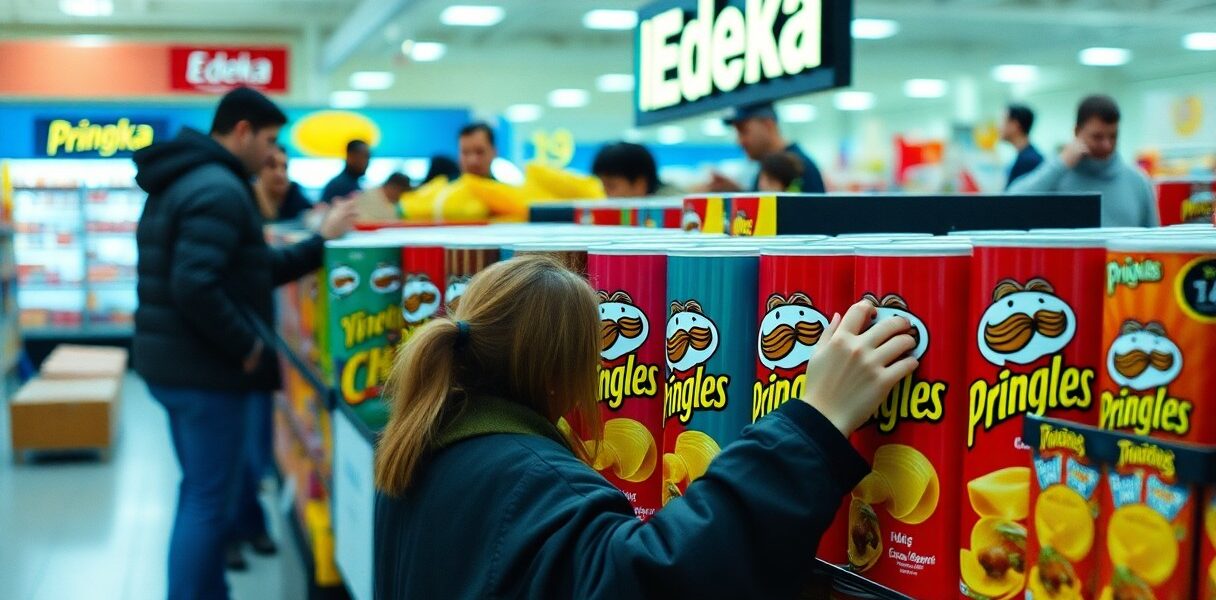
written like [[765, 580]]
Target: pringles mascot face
[[691, 337], [420, 299], [690, 221], [892, 305], [343, 281], [456, 287], [789, 332], [386, 279], [623, 326], [1025, 323], [1143, 357]]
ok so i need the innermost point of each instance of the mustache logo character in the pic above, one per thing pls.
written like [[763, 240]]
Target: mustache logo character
[[386, 279], [419, 299], [789, 331], [456, 287], [690, 221], [1024, 323], [692, 337], [343, 281], [1143, 357], [893, 305], [623, 326]]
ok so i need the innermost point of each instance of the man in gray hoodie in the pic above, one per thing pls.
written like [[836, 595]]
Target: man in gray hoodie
[[1090, 164]]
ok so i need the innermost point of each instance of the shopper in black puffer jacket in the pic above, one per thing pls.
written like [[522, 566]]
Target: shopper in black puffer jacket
[[205, 274]]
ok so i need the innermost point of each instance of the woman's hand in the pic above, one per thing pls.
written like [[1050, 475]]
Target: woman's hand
[[851, 371]]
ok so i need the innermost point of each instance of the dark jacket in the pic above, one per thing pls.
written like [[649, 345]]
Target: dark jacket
[[811, 181], [342, 185], [205, 269], [295, 204], [1028, 159], [518, 516]]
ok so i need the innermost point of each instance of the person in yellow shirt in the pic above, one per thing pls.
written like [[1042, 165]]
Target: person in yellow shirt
[[381, 203]]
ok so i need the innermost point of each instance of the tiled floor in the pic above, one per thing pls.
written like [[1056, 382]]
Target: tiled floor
[[81, 528]]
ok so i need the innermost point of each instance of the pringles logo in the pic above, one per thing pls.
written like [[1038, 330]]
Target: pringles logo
[[1024, 324], [364, 371], [742, 225], [692, 338], [623, 330], [420, 299], [1131, 273], [104, 139], [911, 398], [1053, 438], [788, 334], [456, 287], [1132, 454], [1144, 359]]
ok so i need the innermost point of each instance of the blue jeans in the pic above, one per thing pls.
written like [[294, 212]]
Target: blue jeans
[[249, 520], [209, 431]]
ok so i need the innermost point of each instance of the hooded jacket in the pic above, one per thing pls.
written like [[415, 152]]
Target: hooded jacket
[[205, 270], [1127, 196]]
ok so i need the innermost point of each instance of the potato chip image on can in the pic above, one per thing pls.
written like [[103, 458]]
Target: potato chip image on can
[[1207, 560], [1159, 320], [914, 438]]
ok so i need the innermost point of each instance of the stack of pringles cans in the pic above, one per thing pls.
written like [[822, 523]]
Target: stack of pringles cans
[[1057, 440]]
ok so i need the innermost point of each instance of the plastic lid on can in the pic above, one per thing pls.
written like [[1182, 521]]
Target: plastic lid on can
[[646, 248], [916, 248], [976, 233], [1032, 240], [883, 236], [810, 250], [363, 241], [555, 246], [1162, 243], [715, 250]]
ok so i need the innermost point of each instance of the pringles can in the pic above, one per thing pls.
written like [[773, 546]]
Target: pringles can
[[363, 282], [710, 329], [903, 516], [631, 281], [572, 254], [462, 260], [422, 262], [1033, 348], [799, 291], [1159, 323], [1207, 561]]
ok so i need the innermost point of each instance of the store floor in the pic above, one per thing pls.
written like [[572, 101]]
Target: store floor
[[80, 528]]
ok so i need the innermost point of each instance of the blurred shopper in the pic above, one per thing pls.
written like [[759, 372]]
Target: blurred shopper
[[759, 135], [279, 198], [475, 475], [381, 204], [346, 183], [626, 170], [780, 172], [1090, 163], [1019, 119], [442, 166], [477, 150], [206, 278]]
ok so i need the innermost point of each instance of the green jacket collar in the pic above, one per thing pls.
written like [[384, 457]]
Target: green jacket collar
[[488, 415]]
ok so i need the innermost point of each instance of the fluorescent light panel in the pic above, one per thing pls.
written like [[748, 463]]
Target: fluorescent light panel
[[87, 8], [462, 15], [670, 135], [713, 128], [569, 98], [925, 88], [797, 113], [348, 99], [874, 29], [371, 80], [1105, 57], [611, 20], [854, 101], [423, 51], [614, 82], [1200, 41], [523, 113], [1015, 73]]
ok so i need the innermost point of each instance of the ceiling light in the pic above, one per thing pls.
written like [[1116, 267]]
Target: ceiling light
[[854, 101], [371, 80], [90, 41], [633, 135], [1015, 73], [713, 128], [1200, 40], [472, 16], [523, 113], [614, 20], [423, 51], [670, 135], [925, 88], [1105, 57], [569, 98], [874, 29], [797, 113], [614, 82], [87, 8], [348, 99]]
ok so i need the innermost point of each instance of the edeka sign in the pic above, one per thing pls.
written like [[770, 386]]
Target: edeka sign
[[696, 56], [215, 70], [104, 137]]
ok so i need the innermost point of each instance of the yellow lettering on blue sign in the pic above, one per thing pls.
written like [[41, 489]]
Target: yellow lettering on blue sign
[[106, 140]]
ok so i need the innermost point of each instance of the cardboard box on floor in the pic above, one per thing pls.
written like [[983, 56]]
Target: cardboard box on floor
[[65, 414], [84, 362]]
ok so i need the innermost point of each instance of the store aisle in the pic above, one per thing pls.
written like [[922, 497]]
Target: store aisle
[[81, 528]]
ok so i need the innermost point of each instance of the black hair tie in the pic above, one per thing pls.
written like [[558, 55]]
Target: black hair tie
[[462, 333]]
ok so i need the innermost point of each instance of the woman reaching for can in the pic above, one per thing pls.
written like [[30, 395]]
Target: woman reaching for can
[[481, 496]]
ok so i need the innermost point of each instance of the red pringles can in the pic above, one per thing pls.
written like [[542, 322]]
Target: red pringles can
[[903, 516], [1034, 347], [422, 263], [800, 288], [631, 281]]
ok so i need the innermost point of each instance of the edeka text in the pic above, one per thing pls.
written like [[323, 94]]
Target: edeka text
[[1051, 386], [1145, 414], [912, 400], [767, 397], [629, 380], [693, 394], [106, 140], [202, 68], [716, 53], [369, 368]]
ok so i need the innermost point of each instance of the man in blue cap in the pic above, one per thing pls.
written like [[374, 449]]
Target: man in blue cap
[[759, 135]]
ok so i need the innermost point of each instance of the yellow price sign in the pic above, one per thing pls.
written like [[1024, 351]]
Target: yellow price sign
[[555, 148]]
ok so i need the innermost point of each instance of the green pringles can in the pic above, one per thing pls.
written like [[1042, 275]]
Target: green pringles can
[[710, 336], [363, 291]]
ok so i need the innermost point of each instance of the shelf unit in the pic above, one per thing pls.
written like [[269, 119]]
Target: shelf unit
[[10, 332]]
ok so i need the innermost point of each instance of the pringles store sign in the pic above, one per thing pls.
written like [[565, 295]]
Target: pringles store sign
[[74, 137], [696, 56]]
